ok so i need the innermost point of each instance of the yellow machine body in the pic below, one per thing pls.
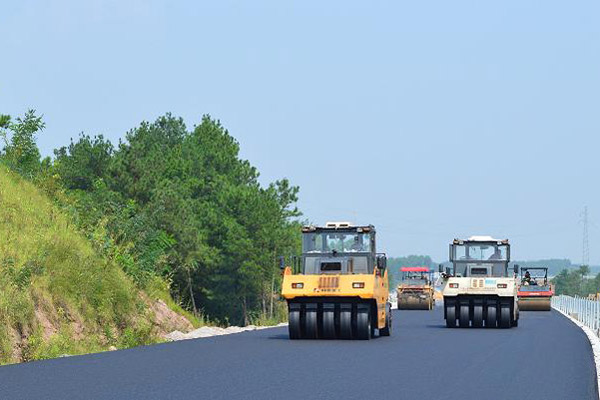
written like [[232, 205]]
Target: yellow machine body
[[339, 287]]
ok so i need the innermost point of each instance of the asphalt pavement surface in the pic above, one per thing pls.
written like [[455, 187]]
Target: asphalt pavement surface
[[546, 357]]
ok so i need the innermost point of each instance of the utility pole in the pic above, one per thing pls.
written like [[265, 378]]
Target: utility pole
[[585, 257]]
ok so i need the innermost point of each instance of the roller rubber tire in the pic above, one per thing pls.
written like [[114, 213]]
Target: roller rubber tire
[[294, 326], [387, 330], [346, 324], [363, 325], [450, 316], [463, 317], [478, 316], [310, 322], [505, 316], [491, 317], [329, 324]]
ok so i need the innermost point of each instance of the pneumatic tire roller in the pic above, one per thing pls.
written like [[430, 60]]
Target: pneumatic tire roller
[[341, 288], [480, 291]]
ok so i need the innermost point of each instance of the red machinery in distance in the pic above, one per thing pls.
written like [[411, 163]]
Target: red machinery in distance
[[535, 292]]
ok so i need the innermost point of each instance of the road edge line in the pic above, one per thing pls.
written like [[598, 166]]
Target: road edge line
[[594, 343]]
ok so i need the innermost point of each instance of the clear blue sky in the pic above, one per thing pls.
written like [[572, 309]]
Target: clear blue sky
[[429, 119]]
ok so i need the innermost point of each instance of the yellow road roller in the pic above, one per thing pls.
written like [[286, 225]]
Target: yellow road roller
[[535, 292], [339, 288], [415, 291]]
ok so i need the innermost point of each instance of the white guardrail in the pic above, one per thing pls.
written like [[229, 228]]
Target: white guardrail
[[583, 310]]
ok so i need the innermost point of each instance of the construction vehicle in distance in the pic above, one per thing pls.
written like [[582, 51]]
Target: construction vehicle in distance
[[340, 287], [480, 290], [535, 292], [415, 291]]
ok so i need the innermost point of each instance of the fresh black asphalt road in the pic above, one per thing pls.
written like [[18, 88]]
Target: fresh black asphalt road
[[546, 357]]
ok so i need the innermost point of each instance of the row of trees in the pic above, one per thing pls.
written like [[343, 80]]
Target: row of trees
[[576, 282], [172, 202]]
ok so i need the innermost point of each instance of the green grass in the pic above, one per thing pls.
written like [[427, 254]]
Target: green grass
[[279, 315], [48, 269]]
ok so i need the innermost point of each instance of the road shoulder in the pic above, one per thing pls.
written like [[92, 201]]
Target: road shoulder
[[594, 343]]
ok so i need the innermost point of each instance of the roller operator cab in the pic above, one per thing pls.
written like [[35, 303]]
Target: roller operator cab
[[339, 289], [480, 290]]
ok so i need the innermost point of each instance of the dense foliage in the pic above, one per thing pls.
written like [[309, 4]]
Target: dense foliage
[[20, 150], [576, 282], [176, 203]]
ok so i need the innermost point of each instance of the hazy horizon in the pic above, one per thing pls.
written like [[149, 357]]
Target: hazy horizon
[[430, 121]]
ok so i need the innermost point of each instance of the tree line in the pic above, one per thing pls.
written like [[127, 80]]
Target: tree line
[[576, 282], [172, 202]]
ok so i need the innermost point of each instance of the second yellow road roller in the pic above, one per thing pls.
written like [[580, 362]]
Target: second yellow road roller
[[415, 291]]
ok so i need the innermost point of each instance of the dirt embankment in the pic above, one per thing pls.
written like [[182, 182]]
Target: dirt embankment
[[166, 320]]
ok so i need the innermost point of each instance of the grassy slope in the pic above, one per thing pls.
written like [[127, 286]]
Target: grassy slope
[[57, 295]]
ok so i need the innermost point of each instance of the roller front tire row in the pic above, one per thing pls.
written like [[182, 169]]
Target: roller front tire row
[[479, 315], [334, 321]]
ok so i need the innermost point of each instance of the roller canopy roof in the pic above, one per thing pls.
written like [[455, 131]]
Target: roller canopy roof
[[481, 239], [414, 269]]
